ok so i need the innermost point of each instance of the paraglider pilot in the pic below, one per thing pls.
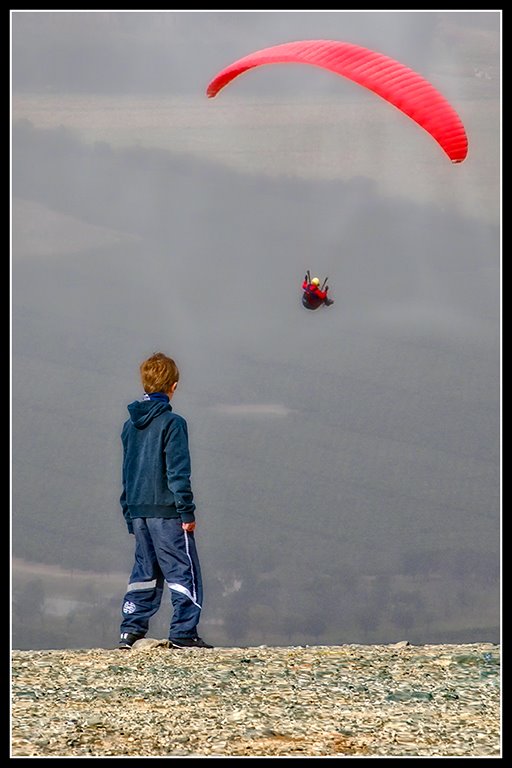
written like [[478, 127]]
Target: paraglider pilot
[[313, 295]]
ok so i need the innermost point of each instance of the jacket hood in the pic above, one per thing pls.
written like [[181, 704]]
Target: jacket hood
[[142, 412]]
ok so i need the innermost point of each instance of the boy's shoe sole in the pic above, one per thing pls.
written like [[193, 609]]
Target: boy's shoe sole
[[188, 642]]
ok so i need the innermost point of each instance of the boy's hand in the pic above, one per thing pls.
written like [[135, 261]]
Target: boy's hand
[[189, 527]]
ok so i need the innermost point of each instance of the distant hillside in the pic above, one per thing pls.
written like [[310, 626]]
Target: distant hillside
[[346, 466]]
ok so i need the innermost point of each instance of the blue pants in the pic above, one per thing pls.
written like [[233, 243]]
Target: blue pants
[[163, 552]]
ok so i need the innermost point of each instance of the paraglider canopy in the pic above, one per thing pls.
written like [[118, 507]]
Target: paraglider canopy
[[394, 82]]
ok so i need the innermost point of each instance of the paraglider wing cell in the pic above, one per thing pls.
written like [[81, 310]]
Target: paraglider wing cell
[[397, 84]]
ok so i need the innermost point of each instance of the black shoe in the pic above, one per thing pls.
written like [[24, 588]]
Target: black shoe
[[127, 639], [188, 642]]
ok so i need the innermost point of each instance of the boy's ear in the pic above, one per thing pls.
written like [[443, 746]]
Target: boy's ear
[[173, 387]]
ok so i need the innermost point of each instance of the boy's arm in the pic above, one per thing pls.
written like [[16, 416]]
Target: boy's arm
[[179, 470]]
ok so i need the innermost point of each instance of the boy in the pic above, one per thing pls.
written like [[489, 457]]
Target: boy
[[158, 506]]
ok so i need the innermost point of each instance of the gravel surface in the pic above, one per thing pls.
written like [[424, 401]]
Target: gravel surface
[[323, 701]]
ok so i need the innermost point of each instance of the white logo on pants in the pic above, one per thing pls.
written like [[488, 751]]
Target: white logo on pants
[[129, 607]]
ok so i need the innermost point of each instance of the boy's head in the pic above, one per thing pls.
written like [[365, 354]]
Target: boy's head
[[158, 373]]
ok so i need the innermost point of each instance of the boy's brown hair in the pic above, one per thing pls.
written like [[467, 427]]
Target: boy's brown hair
[[158, 373]]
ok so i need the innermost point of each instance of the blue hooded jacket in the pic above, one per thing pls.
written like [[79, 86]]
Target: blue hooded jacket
[[156, 462]]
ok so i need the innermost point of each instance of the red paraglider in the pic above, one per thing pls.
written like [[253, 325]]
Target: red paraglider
[[390, 79]]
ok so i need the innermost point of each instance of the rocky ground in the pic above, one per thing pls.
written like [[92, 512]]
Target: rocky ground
[[315, 701]]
